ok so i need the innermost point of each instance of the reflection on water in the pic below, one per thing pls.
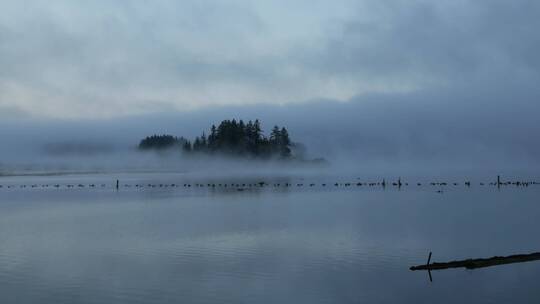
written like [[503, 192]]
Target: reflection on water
[[270, 246]]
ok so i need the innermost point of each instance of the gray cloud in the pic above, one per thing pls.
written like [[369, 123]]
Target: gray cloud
[[385, 81], [110, 58], [424, 44]]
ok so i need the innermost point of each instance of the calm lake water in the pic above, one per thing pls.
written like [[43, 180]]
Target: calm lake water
[[262, 245]]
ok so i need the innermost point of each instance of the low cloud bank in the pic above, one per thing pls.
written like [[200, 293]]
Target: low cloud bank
[[465, 129]]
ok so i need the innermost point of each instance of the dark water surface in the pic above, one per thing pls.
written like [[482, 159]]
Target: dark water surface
[[315, 245]]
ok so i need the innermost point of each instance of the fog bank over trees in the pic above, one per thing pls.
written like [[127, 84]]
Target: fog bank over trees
[[481, 128]]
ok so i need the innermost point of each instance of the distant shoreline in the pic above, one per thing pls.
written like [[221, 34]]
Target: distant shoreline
[[66, 173]]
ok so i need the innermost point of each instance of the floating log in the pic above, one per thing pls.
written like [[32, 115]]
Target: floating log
[[480, 263]]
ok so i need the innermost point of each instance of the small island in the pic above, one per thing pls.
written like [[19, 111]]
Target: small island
[[230, 138]]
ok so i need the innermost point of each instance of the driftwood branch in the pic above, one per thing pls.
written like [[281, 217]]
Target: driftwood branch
[[480, 263]]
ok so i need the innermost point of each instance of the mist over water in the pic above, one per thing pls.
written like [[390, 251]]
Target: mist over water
[[408, 134], [415, 128], [263, 245]]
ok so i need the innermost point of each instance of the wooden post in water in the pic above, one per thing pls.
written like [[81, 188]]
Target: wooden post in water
[[117, 184], [428, 268], [498, 181]]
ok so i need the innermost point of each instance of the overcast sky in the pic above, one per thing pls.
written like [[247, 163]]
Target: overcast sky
[[101, 59], [381, 83]]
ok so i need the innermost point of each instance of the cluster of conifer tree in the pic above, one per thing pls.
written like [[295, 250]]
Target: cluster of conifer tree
[[161, 142], [230, 137], [239, 138]]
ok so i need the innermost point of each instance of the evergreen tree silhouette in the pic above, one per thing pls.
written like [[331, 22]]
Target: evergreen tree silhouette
[[230, 137]]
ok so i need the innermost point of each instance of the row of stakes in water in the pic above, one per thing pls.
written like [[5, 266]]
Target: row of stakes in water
[[264, 184]]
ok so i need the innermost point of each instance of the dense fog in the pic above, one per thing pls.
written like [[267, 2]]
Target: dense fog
[[373, 87], [487, 130]]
